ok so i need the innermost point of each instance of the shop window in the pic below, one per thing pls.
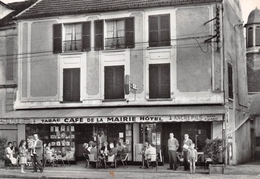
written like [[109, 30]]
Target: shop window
[[114, 82], [257, 36], [250, 37], [71, 84], [76, 37], [230, 81], [159, 81], [159, 30]]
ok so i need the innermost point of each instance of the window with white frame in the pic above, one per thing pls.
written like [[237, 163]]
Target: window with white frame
[[115, 34], [73, 36]]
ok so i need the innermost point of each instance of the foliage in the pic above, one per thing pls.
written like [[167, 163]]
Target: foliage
[[3, 141], [215, 149]]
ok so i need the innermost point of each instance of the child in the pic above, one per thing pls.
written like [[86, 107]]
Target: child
[[22, 153], [192, 158]]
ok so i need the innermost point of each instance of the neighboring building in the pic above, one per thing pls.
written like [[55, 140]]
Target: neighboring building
[[8, 63], [186, 60], [253, 76]]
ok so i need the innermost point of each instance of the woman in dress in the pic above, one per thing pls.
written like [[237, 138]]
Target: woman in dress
[[23, 154], [9, 153]]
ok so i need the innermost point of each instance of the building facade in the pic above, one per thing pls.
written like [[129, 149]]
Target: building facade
[[93, 71], [8, 62], [253, 70]]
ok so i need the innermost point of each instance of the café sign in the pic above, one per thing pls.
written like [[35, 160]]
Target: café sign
[[115, 119]]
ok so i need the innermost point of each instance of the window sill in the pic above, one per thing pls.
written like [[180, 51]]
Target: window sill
[[114, 50], [161, 47], [72, 53], [70, 101], [160, 99], [113, 100]]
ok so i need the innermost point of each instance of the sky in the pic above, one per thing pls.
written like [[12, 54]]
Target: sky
[[246, 5]]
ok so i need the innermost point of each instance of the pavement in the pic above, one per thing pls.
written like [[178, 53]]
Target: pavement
[[245, 171]]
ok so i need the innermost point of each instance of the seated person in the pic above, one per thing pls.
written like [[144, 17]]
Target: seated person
[[9, 155], [151, 150], [104, 153], [15, 149], [122, 150], [85, 148], [90, 145], [111, 152], [93, 150]]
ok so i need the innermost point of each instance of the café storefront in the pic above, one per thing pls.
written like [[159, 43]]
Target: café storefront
[[68, 129]]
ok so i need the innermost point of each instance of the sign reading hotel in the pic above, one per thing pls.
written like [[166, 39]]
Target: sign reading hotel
[[115, 119]]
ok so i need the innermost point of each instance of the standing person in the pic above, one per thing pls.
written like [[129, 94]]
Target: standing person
[[143, 154], [186, 146], [38, 147], [15, 149], [192, 158], [173, 146], [23, 154]]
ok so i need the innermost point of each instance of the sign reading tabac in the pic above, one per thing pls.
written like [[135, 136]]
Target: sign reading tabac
[[115, 119]]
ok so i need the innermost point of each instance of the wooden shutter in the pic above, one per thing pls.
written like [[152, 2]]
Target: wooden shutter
[[230, 81], [153, 31], [57, 38], [99, 31], [257, 36], [250, 37], [71, 84], [129, 32], [159, 81], [164, 33], [86, 29], [114, 82]]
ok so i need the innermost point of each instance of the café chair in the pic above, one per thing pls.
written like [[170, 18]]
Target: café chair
[[180, 158], [111, 159], [123, 158], [93, 159], [153, 159], [87, 159]]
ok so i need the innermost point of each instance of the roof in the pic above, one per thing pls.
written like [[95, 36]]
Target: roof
[[47, 8], [114, 112], [254, 16], [254, 107], [17, 7]]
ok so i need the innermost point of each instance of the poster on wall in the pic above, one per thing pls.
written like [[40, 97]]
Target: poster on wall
[[158, 138], [154, 138]]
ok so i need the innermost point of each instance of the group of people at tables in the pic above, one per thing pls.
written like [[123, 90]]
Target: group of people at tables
[[102, 151]]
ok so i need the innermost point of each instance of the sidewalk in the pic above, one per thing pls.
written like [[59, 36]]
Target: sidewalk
[[246, 171]]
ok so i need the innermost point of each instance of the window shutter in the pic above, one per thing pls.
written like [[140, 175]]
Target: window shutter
[[57, 38], [250, 37], [165, 30], [119, 91], [99, 34], [129, 32], [159, 81], [257, 36], [153, 31], [86, 28]]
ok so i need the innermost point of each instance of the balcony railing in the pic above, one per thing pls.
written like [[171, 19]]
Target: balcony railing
[[115, 43], [72, 45]]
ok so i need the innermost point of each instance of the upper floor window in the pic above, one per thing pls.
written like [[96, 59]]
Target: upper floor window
[[115, 34], [159, 81], [250, 37], [119, 33], [257, 36], [159, 30], [76, 37], [230, 81], [114, 82], [73, 36]]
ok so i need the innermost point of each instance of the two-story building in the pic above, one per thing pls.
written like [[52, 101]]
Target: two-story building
[[136, 70]]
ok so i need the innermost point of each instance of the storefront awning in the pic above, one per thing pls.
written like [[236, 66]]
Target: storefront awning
[[115, 115]]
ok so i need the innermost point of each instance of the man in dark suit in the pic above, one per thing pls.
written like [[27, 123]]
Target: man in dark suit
[[38, 153]]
